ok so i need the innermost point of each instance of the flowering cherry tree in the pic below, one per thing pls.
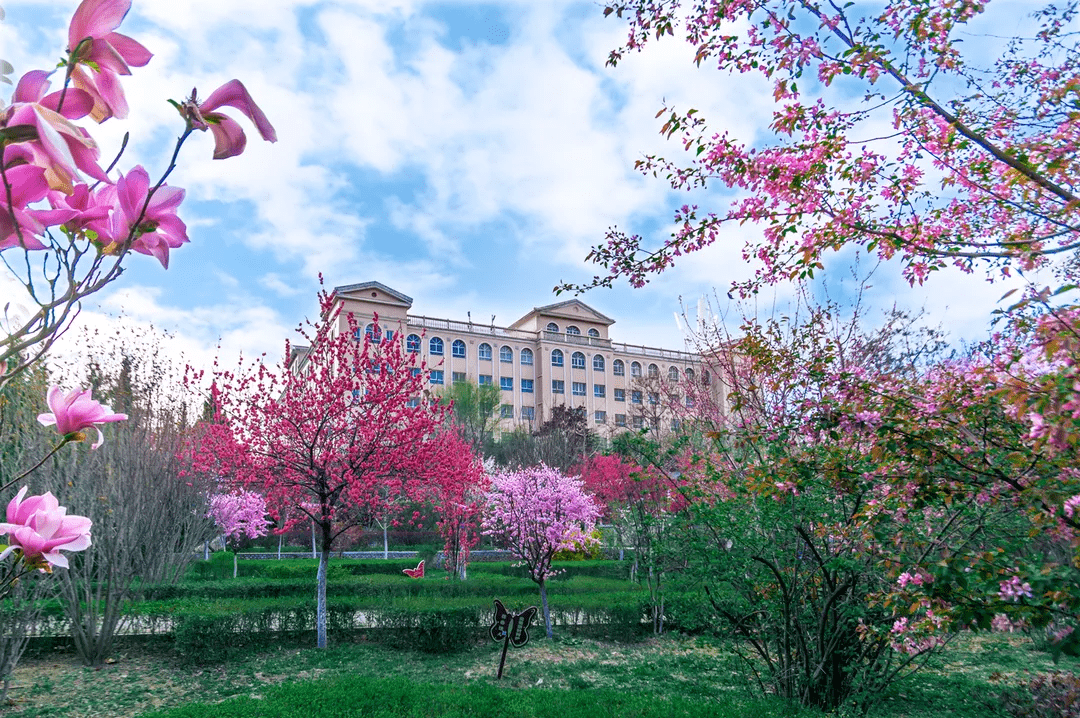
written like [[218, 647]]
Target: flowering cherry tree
[[336, 436], [456, 490], [55, 198], [885, 135], [239, 515], [535, 513]]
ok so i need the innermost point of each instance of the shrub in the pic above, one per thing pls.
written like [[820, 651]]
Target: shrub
[[1049, 695]]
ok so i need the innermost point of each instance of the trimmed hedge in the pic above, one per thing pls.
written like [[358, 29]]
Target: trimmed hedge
[[219, 567], [614, 570], [215, 630], [355, 696]]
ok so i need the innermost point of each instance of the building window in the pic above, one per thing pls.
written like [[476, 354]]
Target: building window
[[412, 344], [689, 402], [705, 378], [527, 357], [485, 380], [507, 411], [654, 398], [457, 377], [620, 420], [484, 352], [457, 349], [578, 388], [599, 391], [413, 403], [506, 383], [435, 346], [437, 376], [558, 386], [673, 373], [689, 374], [635, 369], [654, 371], [528, 413], [388, 335], [552, 327], [594, 334], [620, 395], [675, 425], [526, 386], [577, 360], [556, 357], [598, 363], [573, 331], [600, 417], [635, 397], [506, 355], [415, 371], [639, 422], [618, 368], [374, 334]]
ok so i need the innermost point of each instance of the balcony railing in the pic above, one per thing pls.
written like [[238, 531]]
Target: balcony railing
[[469, 327]]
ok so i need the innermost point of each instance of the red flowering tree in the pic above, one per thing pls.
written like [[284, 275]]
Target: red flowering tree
[[335, 436], [536, 513], [456, 491], [887, 134]]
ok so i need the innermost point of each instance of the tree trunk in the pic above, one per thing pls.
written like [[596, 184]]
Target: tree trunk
[[280, 538], [320, 591], [313, 538], [234, 564], [385, 543], [206, 550], [547, 611]]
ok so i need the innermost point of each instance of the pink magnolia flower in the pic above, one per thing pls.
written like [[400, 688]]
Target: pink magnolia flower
[[152, 218], [75, 411], [92, 42], [41, 529], [50, 141], [229, 138], [20, 226]]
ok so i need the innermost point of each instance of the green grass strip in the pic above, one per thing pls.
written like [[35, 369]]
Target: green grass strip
[[356, 696]]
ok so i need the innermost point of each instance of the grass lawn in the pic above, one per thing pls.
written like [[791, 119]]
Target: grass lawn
[[961, 682]]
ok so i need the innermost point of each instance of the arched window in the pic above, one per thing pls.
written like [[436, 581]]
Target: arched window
[[689, 374], [598, 363], [654, 371], [577, 360], [618, 368], [374, 334], [457, 349], [552, 327], [506, 355], [412, 343], [556, 357], [435, 346], [573, 330], [594, 333], [484, 352], [705, 378], [673, 373], [635, 369], [527, 357]]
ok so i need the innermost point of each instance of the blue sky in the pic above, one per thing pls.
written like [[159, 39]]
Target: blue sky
[[465, 154]]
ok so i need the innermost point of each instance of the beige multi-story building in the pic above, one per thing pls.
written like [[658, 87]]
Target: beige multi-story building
[[557, 354]]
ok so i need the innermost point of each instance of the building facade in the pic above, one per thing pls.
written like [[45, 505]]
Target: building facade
[[558, 354]]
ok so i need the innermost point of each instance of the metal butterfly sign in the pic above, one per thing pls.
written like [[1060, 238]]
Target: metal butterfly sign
[[511, 629]]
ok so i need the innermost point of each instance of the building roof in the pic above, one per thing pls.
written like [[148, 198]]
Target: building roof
[[350, 288], [562, 309]]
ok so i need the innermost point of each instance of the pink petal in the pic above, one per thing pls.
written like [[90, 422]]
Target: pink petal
[[133, 52], [107, 58], [108, 85], [229, 137], [86, 160], [166, 199], [13, 508], [132, 190], [96, 18], [56, 558], [77, 103], [32, 86], [234, 94]]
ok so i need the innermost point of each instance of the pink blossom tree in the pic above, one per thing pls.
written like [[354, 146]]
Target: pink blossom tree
[[456, 490], [336, 436], [535, 513], [887, 134], [239, 515]]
